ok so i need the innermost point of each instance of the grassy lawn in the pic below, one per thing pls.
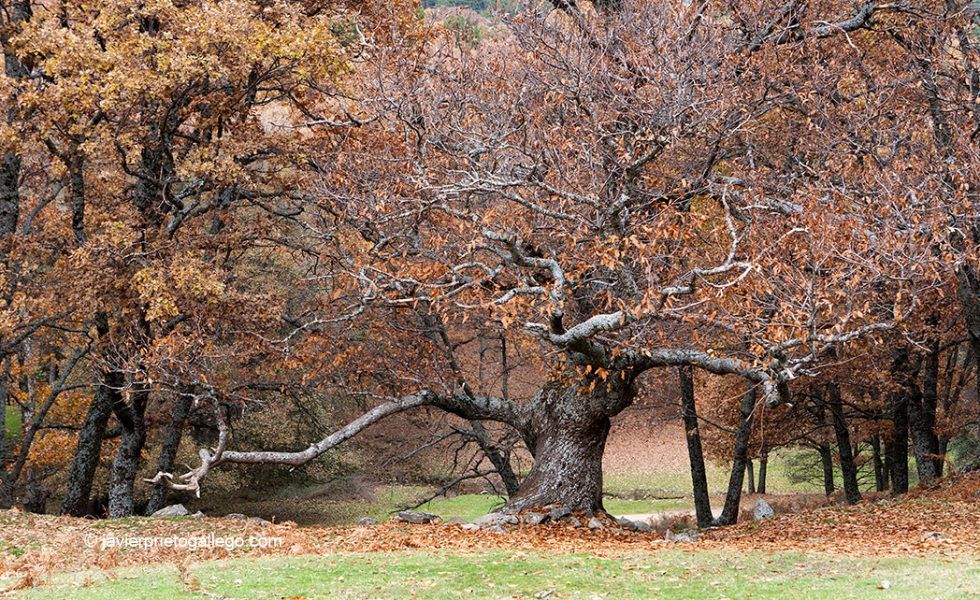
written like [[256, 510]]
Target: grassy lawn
[[668, 574], [318, 511], [471, 506], [678, 483]]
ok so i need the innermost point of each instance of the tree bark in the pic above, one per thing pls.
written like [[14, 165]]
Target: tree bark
[[750, 476], [126, 464], [847, 466], [168, 450], [881, 478], [922, 421], [568, 429], [695, 453], [729, 514], [89, 448], [827, 462], [899, 455]]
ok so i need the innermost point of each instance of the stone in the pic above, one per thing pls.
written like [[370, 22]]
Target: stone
[[174, 510], [367, 521], [681, 538], [457, 521], [471, 527], [575, 522], [535, 518], [559, 513], [627, 524], [936, 536], [236, 516], [497, 529], [595, 523], [415, 517], [643, 526], [491, 520], [258, 521], [198, 515], [762, 510]]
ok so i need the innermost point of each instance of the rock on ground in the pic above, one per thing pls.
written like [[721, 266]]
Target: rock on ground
[[762, 510], [416, 518], [174, 510], [496, 520]]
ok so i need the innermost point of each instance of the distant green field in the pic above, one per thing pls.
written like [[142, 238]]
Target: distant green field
[[658, 574]]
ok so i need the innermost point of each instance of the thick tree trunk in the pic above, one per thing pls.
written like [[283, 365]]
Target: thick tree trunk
[[899, 446], [729, 514], [127, 462], [695, 453], [568, 431], [847, 466], [827, 463], [763, 467], [922, 421], [89, 448], [168, 450]]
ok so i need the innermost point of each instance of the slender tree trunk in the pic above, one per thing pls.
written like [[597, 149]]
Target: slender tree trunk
[[126, 464], [827, 462], [763, 467], [81, 474], [880, 479], [168, 450], [695, 453], [729, 514], [568, 431], [847, 466], [750, 475]]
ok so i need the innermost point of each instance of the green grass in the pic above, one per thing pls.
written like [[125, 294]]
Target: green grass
[[666, 574], [677, 484], [12, 423], [471, 506]]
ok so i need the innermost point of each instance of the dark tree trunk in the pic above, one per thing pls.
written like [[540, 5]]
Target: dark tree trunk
[[76, 170], [567, 431], [763, 467], [899, 446], [699, 475], [82, 471], [968, 287], [729, 514], [750, 475], [14, 14], [922, 421], [847, 466], [126, 465], [168, 450], [827, 462], [881, 479]]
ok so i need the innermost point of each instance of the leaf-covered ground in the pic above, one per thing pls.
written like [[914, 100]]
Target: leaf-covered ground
[[38, 549]]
